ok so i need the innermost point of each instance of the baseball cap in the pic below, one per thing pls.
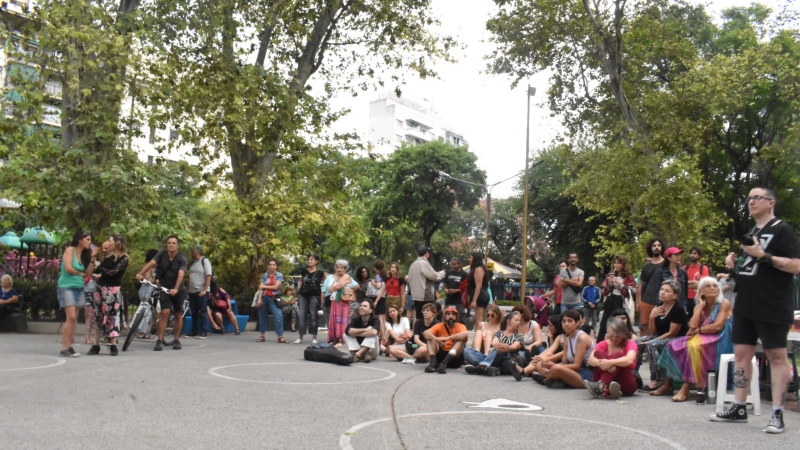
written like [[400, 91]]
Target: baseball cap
[[422, 249], [672, 251], [451, 308]]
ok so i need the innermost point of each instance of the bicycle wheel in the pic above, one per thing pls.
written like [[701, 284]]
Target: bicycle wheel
[[137, 320]]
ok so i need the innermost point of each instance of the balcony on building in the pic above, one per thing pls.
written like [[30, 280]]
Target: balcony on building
[[417, 130]]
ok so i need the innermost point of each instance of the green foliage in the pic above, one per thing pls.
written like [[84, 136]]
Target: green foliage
[[410, 188], [236, 75], [40, 296], [673, 118], [556, 225]]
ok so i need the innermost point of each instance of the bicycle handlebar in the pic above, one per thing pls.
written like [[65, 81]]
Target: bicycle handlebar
[[163, 289]]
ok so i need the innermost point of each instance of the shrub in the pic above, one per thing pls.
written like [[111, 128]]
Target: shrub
[[40, 296]]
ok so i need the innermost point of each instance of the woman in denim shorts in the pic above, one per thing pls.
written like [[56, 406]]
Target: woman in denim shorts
[[76, 263]]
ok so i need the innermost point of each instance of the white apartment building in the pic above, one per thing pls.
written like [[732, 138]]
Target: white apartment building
[[394, 120]]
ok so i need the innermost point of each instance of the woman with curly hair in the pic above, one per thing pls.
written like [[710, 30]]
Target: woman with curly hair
[[615, 288]]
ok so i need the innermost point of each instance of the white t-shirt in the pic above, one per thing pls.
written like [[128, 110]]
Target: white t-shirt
[[401, 327]]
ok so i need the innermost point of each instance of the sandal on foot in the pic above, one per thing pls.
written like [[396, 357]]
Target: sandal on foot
[[663, 390], [281, 340], [238, 333], [261, 339]]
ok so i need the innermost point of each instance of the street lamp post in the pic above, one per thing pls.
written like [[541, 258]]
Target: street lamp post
[[523, 288], [489, 188]]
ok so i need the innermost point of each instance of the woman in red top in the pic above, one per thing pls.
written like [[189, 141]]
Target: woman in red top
[[220, 306], [395, 287], [613, 361]]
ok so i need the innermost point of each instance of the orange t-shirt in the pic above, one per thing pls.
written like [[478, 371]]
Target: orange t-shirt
[[440, 330]]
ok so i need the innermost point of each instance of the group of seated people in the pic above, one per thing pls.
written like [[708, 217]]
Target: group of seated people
[[681, 347]]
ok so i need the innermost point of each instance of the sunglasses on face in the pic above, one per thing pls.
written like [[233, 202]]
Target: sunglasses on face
[[612, 336]]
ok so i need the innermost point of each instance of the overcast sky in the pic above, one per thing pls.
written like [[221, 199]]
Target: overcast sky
[[483, 107]]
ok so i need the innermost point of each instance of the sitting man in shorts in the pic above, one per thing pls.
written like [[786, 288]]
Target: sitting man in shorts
[[446, 341]]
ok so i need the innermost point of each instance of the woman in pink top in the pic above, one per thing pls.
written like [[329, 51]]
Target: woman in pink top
[[613, 361]]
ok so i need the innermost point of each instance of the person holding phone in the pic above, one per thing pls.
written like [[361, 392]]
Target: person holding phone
[[615, 288], [764, 280]]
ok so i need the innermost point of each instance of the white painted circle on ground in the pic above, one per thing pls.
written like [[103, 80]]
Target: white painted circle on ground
[[344, 439], [215, 372], [59, 361]]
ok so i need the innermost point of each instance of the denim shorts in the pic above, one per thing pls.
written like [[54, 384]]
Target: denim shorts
[[586, 373], [71, 297], [409, 303]]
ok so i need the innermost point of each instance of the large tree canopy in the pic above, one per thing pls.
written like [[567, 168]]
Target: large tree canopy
[[671, 117], [412, 187], [237, 75]]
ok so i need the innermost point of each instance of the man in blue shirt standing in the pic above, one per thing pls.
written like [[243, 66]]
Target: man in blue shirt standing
[[591, 297]]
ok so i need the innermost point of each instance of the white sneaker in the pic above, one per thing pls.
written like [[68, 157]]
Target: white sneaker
[[298, 341], [314, 342], [409, 361]]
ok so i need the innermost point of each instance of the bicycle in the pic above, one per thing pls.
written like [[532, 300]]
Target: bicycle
[[152, 308]]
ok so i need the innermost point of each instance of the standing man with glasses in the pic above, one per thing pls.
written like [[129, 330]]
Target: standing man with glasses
[[764, 271]]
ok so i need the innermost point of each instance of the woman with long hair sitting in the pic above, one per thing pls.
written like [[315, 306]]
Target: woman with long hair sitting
[[667, 323], [578, 346], [531, 334], [482, 340], [613, 360], [220, 307], [506, 345], [540, 365], [398, 331], [690, 358]]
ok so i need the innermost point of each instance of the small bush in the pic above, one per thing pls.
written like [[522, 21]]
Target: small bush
[[41, 297]]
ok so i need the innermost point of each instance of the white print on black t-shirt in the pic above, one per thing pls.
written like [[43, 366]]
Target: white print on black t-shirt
[[750, 265]]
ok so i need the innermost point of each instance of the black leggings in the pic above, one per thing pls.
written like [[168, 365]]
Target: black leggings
[[613, 302]]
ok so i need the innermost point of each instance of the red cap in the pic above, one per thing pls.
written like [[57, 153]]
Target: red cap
[[451, 308], [672, 251]]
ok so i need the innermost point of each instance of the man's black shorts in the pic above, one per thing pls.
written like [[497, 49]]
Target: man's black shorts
[[454, 363], [746, 331], [173, 302]]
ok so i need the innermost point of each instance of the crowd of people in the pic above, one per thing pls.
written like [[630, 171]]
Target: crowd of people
[[586, 340]]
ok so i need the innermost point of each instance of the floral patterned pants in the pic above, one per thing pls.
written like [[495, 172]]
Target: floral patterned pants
[[107, 306]]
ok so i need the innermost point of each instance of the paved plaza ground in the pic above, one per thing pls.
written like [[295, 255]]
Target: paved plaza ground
[[231, 392]]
